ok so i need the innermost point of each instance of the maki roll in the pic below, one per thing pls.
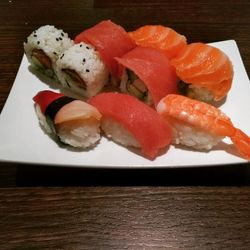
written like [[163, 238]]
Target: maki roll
[[44, 46], [81, 70], [147, 74], [131, 123], [73, 122]]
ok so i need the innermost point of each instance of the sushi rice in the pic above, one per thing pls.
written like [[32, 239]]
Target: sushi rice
[[80, 134], [44, 46], [118, 133], [81, 70], [192, 137], [200, 93]]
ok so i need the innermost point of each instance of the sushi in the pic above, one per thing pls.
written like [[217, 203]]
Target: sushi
[[206, 72], [81, 70], [110, 40], [131, 123], [159, 37], [200, 125], [147, 74], [72, 122], [44, 46]]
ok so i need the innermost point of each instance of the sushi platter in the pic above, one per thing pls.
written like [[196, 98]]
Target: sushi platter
[[24, 141]]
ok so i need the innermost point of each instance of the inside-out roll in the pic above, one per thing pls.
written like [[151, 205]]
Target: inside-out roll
[[81, 70], [44, 46]]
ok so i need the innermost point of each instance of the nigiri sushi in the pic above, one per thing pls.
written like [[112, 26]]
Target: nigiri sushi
[[206, 72], [44, 46], [147, 74], [130, 122], [159, 37], [110, 40], [73, 122], [81, 70], [200, 125]]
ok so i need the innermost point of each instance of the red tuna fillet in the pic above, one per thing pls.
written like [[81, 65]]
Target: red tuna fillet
[[154, 69], [143, 122], [110, 40]]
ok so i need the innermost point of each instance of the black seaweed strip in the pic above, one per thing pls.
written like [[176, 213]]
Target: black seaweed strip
[[56, 105]]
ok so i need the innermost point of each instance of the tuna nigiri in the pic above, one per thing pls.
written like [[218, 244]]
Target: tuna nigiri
[[74, 122], [130, 122], [147, 74], [207, 71], [200, 125], [159, 37]]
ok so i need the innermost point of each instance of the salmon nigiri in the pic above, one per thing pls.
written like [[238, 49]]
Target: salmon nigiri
[[73, 122], [130, 122], [200, 125], [159, 37], [207, 71]]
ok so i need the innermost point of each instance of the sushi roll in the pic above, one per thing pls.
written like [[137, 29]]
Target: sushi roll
[[165, 39], [81, 70], [72, 122], [131, 123], [110, 40], [206, 72], [44, 46], [200, 125], [147, 74]]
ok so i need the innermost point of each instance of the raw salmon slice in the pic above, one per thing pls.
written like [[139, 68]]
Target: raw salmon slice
[[159, 37]]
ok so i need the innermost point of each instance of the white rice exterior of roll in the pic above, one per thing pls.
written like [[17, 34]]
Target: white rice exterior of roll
[[86, 62], [42, 120], [118, 133], [51, 40], [189, 136]]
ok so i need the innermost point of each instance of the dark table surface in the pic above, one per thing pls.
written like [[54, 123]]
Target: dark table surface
[[45, 207]]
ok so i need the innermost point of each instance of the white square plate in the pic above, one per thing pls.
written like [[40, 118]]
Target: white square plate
[[23, 140]]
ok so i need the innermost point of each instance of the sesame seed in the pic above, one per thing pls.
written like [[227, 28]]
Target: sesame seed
[[80, 45], [54, 53], [35, 35], [87, 47], [84, 60], [38, 42], [60, 38], [87, 70], [57, 39], [62, 56], [62, 34]]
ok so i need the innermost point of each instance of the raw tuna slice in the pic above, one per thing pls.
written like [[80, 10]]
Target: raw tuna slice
[[110, 40], [153, 68], [144, 124]]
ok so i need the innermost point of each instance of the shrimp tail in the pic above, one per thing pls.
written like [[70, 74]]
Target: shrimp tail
[[242, 143]]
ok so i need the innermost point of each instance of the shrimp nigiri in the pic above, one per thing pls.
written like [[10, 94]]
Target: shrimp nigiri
[[159, 37], [200, 125], [207, 71]]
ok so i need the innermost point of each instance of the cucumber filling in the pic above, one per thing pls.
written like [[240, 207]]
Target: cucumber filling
[[134, 86], [72, 78]]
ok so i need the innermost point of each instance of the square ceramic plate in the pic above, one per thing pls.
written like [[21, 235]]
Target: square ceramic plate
[[23, 140]]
